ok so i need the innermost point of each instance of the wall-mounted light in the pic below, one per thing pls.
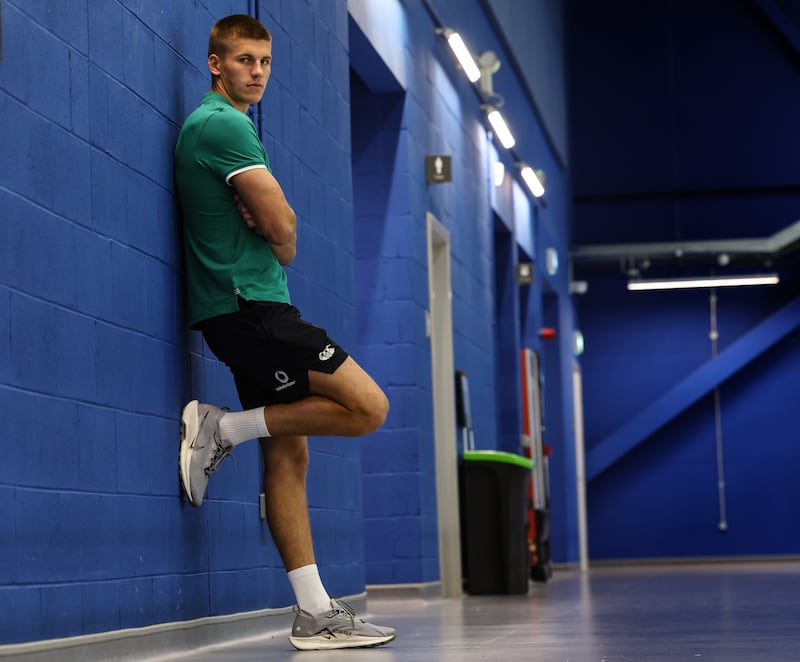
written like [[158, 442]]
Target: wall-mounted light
[[500, 127], [578, 344], [483, 69], [462, 53], [533, 180], [498, 173], [712, 281]]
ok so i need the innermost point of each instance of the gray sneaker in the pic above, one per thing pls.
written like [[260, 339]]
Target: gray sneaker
[[202, 448], [339, 628]]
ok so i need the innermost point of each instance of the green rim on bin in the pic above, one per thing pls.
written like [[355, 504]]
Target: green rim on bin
[[498, 456]]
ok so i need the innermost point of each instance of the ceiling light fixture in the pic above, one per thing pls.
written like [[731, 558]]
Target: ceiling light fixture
[[500, 127], [532, 179], [711, 281], [462, 53]]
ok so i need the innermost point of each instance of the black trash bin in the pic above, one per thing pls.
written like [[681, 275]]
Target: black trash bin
[[494, 522]]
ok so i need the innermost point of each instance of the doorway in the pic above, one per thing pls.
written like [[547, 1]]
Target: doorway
[[440, 330]]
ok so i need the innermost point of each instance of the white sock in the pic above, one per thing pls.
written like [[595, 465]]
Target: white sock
[[308, 590], [238, 426]]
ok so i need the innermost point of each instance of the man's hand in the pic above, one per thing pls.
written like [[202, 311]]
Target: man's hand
[[244, 212], [284, 252]]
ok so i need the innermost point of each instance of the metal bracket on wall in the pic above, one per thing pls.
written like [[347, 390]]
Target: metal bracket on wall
[[262, 506]]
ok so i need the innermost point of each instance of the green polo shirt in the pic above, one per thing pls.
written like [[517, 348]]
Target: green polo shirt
[[224, 258]]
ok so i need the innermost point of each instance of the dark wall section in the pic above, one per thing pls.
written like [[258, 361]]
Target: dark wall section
[[683, 128]]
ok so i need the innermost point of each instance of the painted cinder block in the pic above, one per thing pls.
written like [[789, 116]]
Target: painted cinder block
[[239, 521], [100, 606], [127, 296], [95, 439], [48, 524], [21, 620], [138, 45], [149, 156], [167, 81], [180, 597], [61, 613], [39, 460], [155, 363], [106, 30], [91, 267], [67, 22], [379, 533], [16, 43], [379, 572], [5, 335], [347, 579], [108, 195], [113, 366], [49, 57], [135, 444], [156, 537], [236, 591], [392, 450], [407, 538], [390, 495], [151, 217], [137, 604], [34, 333], [8, 570], [39, 237], [407, 571], [75, 364]]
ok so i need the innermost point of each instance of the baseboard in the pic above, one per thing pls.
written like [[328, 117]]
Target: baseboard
[[695, 560], [424, 590], [164, 640]]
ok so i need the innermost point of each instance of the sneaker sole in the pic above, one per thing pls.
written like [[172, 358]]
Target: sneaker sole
[[189, 429], [316, 644]]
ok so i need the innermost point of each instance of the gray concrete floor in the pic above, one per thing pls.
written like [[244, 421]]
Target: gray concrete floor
[[744, 611]]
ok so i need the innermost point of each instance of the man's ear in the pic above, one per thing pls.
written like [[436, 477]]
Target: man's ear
[[213, 63]]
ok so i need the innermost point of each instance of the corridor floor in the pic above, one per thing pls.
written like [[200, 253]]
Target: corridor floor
[[731, 612]]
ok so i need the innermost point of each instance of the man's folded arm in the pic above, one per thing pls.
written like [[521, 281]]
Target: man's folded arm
[[274, 219]]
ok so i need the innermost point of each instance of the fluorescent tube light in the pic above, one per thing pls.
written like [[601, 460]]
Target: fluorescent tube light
[[532, 181], [461, 51], [713, 281], [501, 129]]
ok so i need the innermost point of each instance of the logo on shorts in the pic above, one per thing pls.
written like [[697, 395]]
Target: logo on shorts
[[326, 353], [283, 379]]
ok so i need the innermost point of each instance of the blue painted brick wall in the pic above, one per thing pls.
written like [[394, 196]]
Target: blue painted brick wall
[[395, 124], [95, 360]]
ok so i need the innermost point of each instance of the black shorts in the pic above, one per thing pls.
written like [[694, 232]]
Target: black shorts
[[270, 349]]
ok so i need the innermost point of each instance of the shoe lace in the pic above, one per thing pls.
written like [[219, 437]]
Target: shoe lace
[[344, 608], [218, 455]]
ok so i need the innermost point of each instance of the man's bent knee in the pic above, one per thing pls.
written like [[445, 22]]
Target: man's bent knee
[[372, 411]]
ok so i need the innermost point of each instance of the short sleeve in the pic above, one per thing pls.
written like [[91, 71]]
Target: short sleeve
[[230, 145]]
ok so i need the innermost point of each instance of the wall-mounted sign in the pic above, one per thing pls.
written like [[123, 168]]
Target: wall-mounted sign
[[438, 168], [525, 273]]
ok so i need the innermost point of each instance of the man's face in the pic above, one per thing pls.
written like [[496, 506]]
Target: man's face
[[242, 74]]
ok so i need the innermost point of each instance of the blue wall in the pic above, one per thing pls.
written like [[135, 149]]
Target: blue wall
[[409, 100], [692, 136], [95, 360]]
